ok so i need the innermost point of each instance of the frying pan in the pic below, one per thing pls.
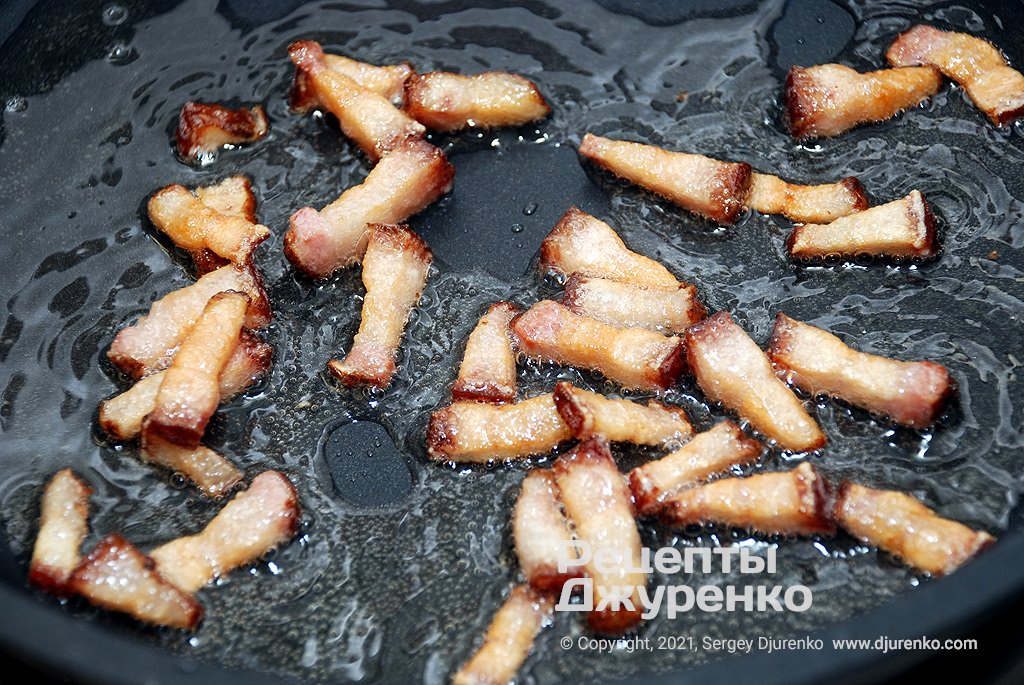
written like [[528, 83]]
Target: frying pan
[[400, 563]]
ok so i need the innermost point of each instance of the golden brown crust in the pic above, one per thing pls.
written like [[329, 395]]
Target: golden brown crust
[[63, 524], [802, 203], [205, 128], [386, 81], [488, 369], [448, 102], [211, 472], [541, 533], [588, 414], [663, 310]]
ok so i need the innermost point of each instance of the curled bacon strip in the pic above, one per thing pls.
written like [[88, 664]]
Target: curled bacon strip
[[541, 533], [448, 102], [387, 81], [588, 414], [815, 204], [488, 370], [205, 128], [661, 309], [211, 472], [232, 197], [63, 524]]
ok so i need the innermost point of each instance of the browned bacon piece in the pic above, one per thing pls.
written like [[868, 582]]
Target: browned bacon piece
[[387, 81], [541, 533], [203, 129], [667, 310], [444, 101], [211, 472], [829, 99], [481, 432], [581, 243], [231, 197], [509, 639], [251, 524], [816, 204], [488, 370], [733, 370], [149, 344], [632, 357], [117, 576], [369, 119], [710, 452], [703, 185], [394, 272], [911, 393], [407, 180], [795, 502], [902, 228], [597, 501], [588, 414], [977, 65], [63, 524], [902, 526]]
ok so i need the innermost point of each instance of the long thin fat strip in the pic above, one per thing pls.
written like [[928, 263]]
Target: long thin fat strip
[[829, 99], [597, 501], [121, 416], [794, 502], [588, 413], [670, 309], [632, 357], [903, 526], [63, 524], [911, 393], [211, 472], [488, 369], [977, 65], [705, 186], [806, 203], [901, 228], [395, 272], [443, 101], [232, 196], [255, 521], [713, 451], [149, 344], [387, 81], [369, 119], [509, 639], [408, 179], [117, 576], [481, 432], [733, 370], [541, 533], [205, 128]]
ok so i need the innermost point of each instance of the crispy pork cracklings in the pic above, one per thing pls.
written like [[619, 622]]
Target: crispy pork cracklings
[[977, 65], [481, 432], [911, 393], [231, 197], [63, 524], [117, 576], [252, 523], [597, 501], [632, 357], [369, 119], [902, 228], [670, 309], [488, 370], [829, 99], [713, 451], [541, 533], [903, 526], [211, 472], [395, 272], [703, 185], [581, 243], [206, 128], [386, 81], [815, 204], [795, 502], [588, 414], [448, 102], [149, 344], [509, 639], [733, 370], [407, 180]]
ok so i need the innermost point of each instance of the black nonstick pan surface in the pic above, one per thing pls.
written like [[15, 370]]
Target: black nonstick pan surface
[[400, 562]]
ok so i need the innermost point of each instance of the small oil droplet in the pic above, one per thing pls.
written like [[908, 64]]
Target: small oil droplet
[[529, 209], [114, 14], [16, 103], [517, 228]]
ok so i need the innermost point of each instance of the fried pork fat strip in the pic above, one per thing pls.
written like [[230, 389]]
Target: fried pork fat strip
[[444, 101], [829, 99], [407, 180], [632, 357], [541, 533], [588, 414], [231, 197], [63, 524], [667, 310], [902, 228], [795, 502], [583, 244], [480, 432], [394, 272], [386, 81], [488, 370], [733, 370], [205, 128], [977, 65], [911, 393], [369, 119], [815, 204], [509, 639]]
